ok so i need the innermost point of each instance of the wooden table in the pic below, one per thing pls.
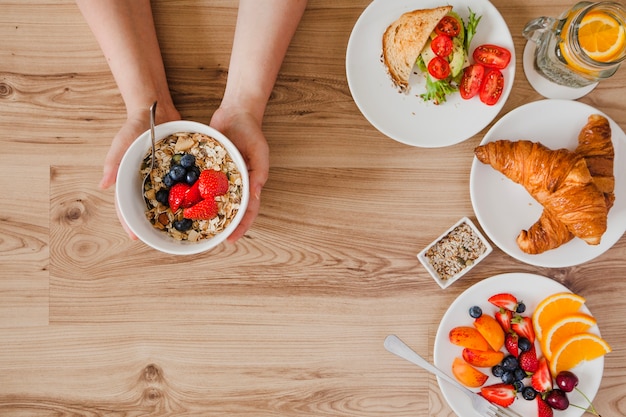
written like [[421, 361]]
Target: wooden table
[[291, 320]]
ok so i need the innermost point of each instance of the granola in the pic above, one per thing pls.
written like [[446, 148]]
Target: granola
[[455, 251], [209, 154]]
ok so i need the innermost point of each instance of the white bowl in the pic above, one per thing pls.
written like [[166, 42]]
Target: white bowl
[[132, 206], [445, 282]]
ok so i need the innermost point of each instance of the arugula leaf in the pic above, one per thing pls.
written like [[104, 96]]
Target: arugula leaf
[[436, 90], [470, 29]]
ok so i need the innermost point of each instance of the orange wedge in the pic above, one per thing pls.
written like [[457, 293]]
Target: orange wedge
[[562, 329], [601, 36], [553, 308], [576, 349]]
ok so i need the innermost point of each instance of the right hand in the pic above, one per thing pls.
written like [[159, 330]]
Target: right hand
[[138, 121]]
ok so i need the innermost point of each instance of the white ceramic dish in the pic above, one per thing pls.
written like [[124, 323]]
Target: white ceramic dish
[[504, 208], [406, 117], [132, 206], [445, 283], [532, 289]]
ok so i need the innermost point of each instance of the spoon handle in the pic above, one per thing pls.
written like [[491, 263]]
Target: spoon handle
[[152, 139], [396, 346]]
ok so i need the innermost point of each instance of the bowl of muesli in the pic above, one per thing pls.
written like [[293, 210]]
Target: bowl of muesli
[[196, 194], [455, 252]]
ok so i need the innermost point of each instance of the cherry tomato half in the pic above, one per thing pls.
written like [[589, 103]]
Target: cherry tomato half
[[442, 45], [471, 81], [492, 56], [448, 26], [439, 68], [492, 87]]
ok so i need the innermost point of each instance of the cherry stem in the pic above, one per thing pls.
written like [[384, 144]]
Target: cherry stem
[[591, 409]]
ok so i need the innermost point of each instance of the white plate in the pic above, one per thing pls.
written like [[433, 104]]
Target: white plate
[[406, 117], [526, 287], [504, 208]]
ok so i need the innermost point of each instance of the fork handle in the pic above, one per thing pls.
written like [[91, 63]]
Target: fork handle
[[396, 346]]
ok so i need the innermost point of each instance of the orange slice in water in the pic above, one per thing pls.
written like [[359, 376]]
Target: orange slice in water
[[562, 329], [553, 308], [576, 349], [601, 36]]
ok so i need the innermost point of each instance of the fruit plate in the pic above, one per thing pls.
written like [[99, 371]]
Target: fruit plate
[[504, 208], [406, 118], [531, 289]]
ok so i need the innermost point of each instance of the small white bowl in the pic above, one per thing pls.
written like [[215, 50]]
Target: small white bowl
[[456, 250], [132, 206]]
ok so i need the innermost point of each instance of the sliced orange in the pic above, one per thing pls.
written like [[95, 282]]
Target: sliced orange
[[576, 349], [601, 36], [562, 329], [553, 308]]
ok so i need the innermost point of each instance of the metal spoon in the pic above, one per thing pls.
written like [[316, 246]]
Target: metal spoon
[[145, 180]]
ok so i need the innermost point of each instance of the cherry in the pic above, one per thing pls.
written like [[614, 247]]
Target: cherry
[[557, 399], [566, 381]]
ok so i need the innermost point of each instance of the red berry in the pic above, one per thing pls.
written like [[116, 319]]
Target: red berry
[[528, 360], [504, 300], [543, 409], [541, 379], [212, 183], [501, 394], [504, 317], [523, 326], [204, 210], [177, 195], [192, 196], [510, 343]]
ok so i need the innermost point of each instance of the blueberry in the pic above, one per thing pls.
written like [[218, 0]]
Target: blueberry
[[168, 181], [529, 393], [521, 307], [523, 344], [177, 172], [188, 160], [183, 225], [497, 371], [508, 377], [475, 312], [510, 363], [162, 196], [192, 175], [519, 374], [519, 386]]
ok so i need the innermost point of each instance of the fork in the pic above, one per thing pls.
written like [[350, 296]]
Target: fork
[[483, 407]]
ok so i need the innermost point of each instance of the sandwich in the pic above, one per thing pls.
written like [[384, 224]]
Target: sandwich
[[404, 40]]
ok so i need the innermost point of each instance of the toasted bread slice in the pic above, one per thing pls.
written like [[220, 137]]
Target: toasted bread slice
[[404, 40]]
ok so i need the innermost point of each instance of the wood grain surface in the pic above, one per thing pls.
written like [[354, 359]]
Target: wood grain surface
[[290, 321]]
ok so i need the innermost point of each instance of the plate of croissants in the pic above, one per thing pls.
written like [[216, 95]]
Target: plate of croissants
[[547, 183]]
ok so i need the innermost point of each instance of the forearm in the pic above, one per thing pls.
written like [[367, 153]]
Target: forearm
[[125, 32], [264, 31]]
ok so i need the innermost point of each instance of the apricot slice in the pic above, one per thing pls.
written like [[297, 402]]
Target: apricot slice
[[491, 331], [467, 375], [468, 337], [482, 358]]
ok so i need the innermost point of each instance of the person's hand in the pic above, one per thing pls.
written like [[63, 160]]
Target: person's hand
[[244, 130], [137, 122]]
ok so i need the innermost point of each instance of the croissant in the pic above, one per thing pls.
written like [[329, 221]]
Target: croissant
[[558, 179], [596, 147]]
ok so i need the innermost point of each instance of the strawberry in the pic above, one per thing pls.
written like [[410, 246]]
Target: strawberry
[[192, 196], [212, 183], [541, 380], [528, 360], [543, 409], [504, 300], [204, 210], [500, 394], [523, 326], [177, 195], [510, 343], [504, 317]]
